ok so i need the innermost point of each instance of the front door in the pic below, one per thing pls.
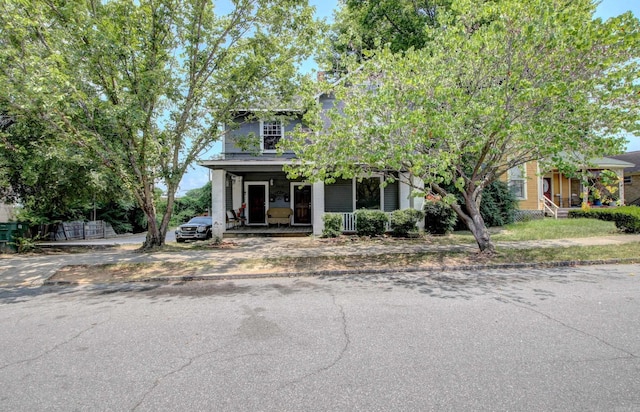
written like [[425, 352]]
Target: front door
[[546, 187], [301, 204], [256, 202]]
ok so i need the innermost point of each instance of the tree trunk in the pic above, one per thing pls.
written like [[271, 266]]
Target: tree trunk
[[481, 234], [476, 225], [155, 237], [472, 218]]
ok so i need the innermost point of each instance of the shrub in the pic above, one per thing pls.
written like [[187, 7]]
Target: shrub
[[499, 205], [25, 244], [627, 218], [332, 225], [370, 222], [439, 219], [404, 221]]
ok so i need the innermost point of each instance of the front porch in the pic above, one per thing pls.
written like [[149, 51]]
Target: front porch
[[602, 184], [268, 231]]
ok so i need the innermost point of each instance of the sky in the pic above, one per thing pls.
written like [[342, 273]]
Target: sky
[[198, 176]]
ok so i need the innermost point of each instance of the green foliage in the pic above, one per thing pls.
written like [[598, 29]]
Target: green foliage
[[627, 218], [370, 222], [498, 206], [468, 108], [440, 218], [123, 215], [361, 26], [332, 225], [142, 87], [52, 179], [549, 228], [403, 222], [195, 202], [25, 244]]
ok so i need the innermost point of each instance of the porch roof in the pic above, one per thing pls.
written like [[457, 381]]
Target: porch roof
[[607, 162], [246, 165], [599, 162]]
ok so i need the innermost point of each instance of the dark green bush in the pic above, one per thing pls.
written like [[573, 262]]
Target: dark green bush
[[404, 221], [497, 208], [332, 225], [627, 218], [499, 205], [370, 222], [439, 219]]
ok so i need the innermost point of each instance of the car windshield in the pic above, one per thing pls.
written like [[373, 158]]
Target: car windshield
[[202, 220]]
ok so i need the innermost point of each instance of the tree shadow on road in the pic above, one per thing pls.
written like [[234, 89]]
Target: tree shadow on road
[[500, 284]]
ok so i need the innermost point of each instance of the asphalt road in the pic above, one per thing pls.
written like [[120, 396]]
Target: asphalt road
[[562, 339]]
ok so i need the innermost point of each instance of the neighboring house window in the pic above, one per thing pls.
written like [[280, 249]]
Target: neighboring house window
[[368, 193], [271, 135], [518, 183], [627, 180]]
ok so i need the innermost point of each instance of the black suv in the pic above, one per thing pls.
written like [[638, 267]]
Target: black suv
[[198, 228]]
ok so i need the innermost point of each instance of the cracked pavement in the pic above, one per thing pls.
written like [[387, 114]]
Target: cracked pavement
[[534, 339]]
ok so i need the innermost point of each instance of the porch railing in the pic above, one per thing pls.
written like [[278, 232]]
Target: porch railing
[[550, 207], [349, 222]]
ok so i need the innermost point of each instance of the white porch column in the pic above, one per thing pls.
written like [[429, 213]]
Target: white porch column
[[218, 212], [620, 174], [317, 207], [236, 190], [405, 191], [418, 201]]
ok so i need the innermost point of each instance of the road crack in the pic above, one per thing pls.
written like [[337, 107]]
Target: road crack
[[55, 347], [585, 333], [338, 358], [184, 366]]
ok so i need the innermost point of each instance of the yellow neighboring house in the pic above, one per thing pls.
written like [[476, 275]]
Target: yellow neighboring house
[[542, 192]]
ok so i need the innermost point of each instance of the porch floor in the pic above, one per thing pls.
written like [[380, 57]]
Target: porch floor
[[268, 231]]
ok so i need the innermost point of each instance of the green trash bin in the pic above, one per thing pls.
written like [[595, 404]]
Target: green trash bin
[[8, 232]]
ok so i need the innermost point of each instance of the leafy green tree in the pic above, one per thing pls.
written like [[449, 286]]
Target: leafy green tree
[[50, 178], [144, 86], [500, 84], [363, 25], [194, 203]]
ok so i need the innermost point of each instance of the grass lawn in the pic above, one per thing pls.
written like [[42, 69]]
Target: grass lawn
[[555, 229], [541, 229], [387, 259]]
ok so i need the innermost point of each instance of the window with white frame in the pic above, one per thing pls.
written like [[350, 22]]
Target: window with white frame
[[271, 133], [518, 182], [627, 180]]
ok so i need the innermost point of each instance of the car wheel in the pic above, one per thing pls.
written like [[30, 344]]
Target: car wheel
[[209, 234]]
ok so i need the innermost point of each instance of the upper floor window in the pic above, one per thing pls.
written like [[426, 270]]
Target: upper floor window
[[627, 180], [271, 133], [518, 182]]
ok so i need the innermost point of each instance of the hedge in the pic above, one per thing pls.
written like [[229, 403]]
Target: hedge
[[370, 222], [439, 219], [626, 218], [403, 222], [332, 225]]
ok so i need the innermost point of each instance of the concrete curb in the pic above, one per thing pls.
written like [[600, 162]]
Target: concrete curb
[[338, 273]]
